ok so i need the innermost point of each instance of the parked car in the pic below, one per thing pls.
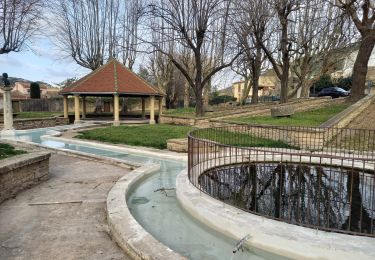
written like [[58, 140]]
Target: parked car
[[333, 92]]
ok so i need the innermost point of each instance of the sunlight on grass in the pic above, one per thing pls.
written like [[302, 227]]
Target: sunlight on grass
[[314, 117], [155, 136]]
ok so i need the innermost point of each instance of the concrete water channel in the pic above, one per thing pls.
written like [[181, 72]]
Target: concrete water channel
[[152, 201]]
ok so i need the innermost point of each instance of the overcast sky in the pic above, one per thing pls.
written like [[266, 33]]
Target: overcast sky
[[43, 62], [40, 62]]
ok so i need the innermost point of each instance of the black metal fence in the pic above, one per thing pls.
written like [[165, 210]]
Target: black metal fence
[[315, 177]]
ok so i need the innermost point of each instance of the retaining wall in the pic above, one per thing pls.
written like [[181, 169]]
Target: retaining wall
[[23, 124], [21, 172]]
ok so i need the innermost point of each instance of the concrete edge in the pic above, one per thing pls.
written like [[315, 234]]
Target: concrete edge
[[86, 156], [124, 229], [165, 154], [267, 234]]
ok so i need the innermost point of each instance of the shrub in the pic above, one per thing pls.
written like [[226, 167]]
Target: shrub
[[221, 99], [35, 90]]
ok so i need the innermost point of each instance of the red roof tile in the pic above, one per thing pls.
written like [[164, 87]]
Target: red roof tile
[[112, 77]]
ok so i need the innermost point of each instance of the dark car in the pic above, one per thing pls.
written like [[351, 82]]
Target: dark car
[[333, 92]]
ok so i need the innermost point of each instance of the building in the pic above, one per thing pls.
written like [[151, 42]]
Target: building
[[21, 90], [111, 80], [268, 84]]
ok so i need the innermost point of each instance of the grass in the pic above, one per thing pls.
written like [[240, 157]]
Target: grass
[[7, 151], [310, 118], [155, 136], [183, 112], [26, 115], [241, 139]]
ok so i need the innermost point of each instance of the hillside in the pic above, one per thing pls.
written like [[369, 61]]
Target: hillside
[[14, 80]]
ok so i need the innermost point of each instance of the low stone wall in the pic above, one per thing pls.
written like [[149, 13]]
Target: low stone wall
[[175, 120], [21, 172], [22, 124], [178, 145], [298, 105]]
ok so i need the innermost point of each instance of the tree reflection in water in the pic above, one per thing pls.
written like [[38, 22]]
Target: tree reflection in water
[[312, 195]]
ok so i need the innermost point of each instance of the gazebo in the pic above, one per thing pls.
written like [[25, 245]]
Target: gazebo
[[111, 80]]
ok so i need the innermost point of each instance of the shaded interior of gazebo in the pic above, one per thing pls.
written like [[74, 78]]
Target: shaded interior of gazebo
[[115, 81]]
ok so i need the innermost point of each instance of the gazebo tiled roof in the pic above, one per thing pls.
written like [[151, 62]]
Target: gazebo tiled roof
[[112, 78]]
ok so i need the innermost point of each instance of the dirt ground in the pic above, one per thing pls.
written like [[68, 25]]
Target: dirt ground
[[366, 120]]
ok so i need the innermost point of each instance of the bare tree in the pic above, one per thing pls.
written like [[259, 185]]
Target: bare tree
[[280, 52], [322, 37], [250, 27], [130, 23], [19, 20], [86, 30], [197, 26], [362, 13]]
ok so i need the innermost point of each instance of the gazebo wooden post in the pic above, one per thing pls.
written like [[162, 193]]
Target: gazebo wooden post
[[116, 110], [152, 110], [66, 106], [143, 108], [77, 118], [83, 107]]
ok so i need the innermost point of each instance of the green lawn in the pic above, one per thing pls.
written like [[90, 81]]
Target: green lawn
[[310, 118], [155, 136], [182, 112], [241, 139], [24, 115], [7, 151]]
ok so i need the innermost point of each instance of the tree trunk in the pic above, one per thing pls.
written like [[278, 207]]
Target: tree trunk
[[361, 66], [256, 75], [186, 94], [285, 58], [305, 91], [98, 105], [245, 92], [206, 94], [199, 103]]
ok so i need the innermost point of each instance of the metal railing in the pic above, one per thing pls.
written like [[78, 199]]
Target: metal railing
[[315, 177]]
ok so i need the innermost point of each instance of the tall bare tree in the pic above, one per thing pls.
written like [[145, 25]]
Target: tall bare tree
[[322, 38], [251, 29], [196, 26], [280, 52], [362, 13], [132, 14], [86, 30], [19, 20]]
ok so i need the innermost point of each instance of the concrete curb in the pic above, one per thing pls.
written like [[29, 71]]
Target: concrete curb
[[267, 234], [125, 230]]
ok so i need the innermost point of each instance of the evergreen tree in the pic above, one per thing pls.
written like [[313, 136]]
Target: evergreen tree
[[35, 90]]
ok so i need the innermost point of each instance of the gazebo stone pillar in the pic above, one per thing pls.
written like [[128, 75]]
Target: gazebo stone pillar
[[77, 118], [66, 106], [116, 110], [160, 106], [152, 110], [83, 107], [143, 108], [8, 112]]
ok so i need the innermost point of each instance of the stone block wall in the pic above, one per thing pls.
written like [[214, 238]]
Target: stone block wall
[[22, 124], [21, 172], [174, 120]]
